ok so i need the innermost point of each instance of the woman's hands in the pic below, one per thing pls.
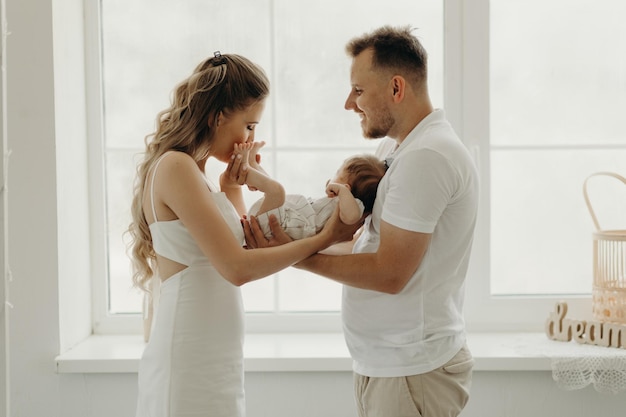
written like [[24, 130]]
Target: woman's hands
[[245, 158], [235, 173], [242, 162]]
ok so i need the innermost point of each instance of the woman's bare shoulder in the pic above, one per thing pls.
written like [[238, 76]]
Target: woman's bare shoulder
[[177, 172], [177, 157], [178, 163]]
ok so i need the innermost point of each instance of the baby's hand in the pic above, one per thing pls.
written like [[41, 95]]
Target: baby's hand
[[333, 189]]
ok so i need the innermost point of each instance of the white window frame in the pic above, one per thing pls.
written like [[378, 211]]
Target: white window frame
[[103, 322], [466, 97]]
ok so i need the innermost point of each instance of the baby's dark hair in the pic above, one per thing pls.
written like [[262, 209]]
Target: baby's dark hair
[[364, 174]]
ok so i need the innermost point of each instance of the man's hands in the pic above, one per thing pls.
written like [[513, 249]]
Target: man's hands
[[255, 237], [337, 231], [334, 231]]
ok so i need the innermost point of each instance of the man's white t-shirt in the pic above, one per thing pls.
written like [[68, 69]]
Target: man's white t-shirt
[[431, 186]]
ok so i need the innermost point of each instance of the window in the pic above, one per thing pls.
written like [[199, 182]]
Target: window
[[557, 100], [531, 88], [148, 48], [538, 101]]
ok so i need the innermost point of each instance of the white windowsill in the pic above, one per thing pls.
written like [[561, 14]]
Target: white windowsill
[[312, 352]]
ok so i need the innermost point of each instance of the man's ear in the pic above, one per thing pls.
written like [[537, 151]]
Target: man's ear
[[398, 85]]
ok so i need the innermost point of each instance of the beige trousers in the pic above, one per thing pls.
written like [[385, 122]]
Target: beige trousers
[[442, 392]]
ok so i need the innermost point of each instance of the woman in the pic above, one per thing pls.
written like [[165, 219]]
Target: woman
[[189, 234]]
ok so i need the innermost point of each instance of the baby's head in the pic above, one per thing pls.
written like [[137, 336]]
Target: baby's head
[[363, 173]]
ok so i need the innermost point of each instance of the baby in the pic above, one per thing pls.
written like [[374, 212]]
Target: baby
[[353, 189]]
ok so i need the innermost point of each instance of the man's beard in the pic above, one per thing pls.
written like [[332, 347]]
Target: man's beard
[[378, 126]]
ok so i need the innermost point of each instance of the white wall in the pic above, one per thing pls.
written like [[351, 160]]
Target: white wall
[[47, 238], [33, 320], [495, 394], [3, 227]]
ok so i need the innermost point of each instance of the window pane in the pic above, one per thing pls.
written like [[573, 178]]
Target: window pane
[[312, 68], [558, 93], [558, 72], [302, 291], [540, 226], [123, 298], [151, 46]]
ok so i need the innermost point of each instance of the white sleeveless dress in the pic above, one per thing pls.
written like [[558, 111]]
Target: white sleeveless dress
[[193, 362]]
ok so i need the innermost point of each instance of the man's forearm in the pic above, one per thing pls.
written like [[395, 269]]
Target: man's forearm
[[356, 270]]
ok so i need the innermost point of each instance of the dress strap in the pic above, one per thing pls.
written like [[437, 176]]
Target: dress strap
[[154, 170]]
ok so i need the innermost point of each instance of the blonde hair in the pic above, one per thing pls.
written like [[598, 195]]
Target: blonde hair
[[223, 83], [364, 172]]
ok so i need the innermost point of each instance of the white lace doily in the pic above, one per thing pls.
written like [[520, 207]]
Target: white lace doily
[[575, 365], [578, 366]]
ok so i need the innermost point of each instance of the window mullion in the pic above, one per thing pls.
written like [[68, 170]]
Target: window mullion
[[95, 143]]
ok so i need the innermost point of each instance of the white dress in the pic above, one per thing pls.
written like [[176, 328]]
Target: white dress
[[193, 363]]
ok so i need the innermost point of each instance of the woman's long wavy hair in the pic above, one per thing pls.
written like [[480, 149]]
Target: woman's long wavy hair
[[223, 83]]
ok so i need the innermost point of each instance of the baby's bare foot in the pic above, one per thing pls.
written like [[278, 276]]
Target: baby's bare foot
[[243, 150], [254, 159]]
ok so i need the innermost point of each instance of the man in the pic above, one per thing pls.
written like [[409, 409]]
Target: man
[[404, 281]]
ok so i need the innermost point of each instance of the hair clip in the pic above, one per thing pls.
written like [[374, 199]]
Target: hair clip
[[218, 59]]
